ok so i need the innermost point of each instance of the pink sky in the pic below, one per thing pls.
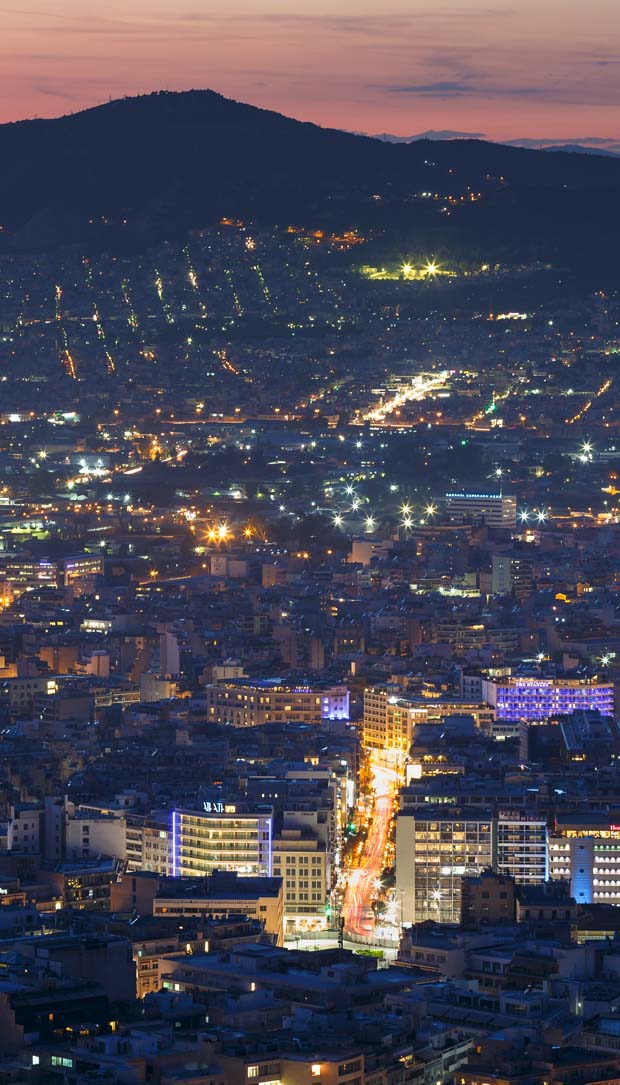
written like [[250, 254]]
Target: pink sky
[[506, 68]]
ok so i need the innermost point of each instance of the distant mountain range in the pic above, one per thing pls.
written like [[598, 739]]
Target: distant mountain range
[[137, 170], [583, 145]]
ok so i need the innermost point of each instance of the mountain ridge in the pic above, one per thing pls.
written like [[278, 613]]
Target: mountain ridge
[[159, 164]]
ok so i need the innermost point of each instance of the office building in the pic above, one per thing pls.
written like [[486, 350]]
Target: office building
[[434, 854], [522, 847], [79, 573], [496, 510]]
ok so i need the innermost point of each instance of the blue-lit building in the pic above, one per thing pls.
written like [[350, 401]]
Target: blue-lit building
[[586, 849], [536, 697]]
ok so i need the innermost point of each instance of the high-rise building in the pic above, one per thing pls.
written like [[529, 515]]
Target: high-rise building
[[522, 846], [222, 836], [434, 852]]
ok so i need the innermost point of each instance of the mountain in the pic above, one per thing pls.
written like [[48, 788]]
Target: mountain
[[139, 169], [431, 133], [578, 144], [586, 145], [579, 148]]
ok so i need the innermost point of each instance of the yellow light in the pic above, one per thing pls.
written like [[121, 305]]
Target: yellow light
[[223, 532], [248, 532], [153, 572]]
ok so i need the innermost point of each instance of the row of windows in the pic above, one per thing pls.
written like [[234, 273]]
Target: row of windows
[[257, 1071], [302, 884], [452, 827], [292, 859], [303, 896]]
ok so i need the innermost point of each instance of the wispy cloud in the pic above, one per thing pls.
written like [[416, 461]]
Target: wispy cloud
[[559, 90], [54, 92]]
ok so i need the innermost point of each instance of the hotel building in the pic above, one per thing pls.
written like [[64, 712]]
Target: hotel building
[[222, 836]]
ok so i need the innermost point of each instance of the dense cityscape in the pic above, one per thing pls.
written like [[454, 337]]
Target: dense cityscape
[[309, 657]]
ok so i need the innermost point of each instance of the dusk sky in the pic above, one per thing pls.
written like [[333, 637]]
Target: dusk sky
[[506, 68]]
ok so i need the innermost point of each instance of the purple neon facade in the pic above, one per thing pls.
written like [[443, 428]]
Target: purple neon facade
[[537, 699], [335, 706], [175, 844], [269, 847]]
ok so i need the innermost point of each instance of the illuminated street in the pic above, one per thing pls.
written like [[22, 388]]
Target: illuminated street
[[421, 386], [362, 883]]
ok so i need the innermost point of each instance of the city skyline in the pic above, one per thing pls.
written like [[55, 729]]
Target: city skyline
[[309, 543], [499, 71]]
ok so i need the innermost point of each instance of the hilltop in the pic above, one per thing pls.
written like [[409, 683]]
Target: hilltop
[[141, 169]]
